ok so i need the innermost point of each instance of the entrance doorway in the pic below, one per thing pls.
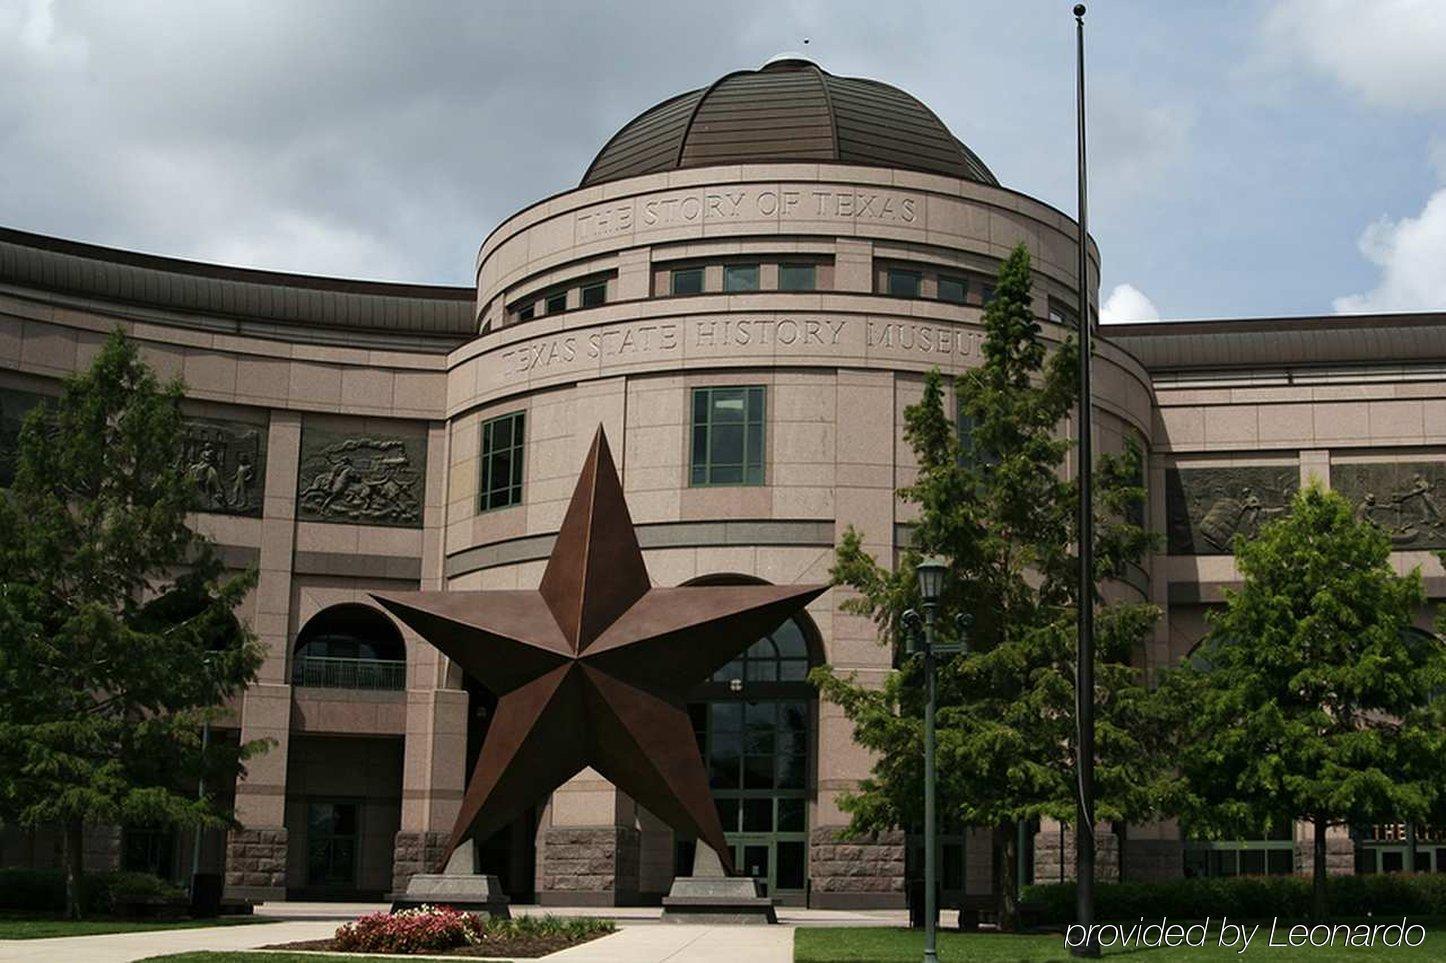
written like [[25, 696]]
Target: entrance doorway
[[754, 722]]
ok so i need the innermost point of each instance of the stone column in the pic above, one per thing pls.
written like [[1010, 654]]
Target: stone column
[[1054, 853], [635, 275], [1315, 465], [433, 776], [858, 872], [1340, 850], [853, 268], [256, 853], [590, 853]]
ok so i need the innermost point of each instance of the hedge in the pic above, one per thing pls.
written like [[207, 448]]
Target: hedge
[[1248, 897], [43, 890]]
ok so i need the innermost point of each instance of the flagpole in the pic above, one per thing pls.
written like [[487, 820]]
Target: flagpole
[[1084, 662]]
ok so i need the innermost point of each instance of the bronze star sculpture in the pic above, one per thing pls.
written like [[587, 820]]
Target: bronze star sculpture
[[590, 668]]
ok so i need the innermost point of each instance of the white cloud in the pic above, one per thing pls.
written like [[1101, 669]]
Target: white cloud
[[1128, 303], [1411, 253], [1388, 52]]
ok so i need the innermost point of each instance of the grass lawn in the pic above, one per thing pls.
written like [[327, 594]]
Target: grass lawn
[[860, 944], [35, 926]]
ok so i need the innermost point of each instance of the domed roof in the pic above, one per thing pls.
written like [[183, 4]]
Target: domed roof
[[790, 109]]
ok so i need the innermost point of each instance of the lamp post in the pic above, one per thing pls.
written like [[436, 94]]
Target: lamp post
[[200, 788], [930, 573]]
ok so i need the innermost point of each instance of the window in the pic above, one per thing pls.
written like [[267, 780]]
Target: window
[[331, 831], [964, 425], [594, 294], [952, 289], [903, 284], [350, 646], [1265, 853], [797, 277], [969, 453], [986, 293], [149, 849], [740, 277], [1059, 314], [688, 281], [728, 436], [527, 311], [557, 302], [755, 743], [501, 462], [1392, 847]]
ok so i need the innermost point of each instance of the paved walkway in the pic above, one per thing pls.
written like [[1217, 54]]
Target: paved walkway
[[641, 938]]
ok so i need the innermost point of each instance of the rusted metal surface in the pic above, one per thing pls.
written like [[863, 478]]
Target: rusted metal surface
[[590, 668]]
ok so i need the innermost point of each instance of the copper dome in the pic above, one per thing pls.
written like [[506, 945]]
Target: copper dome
[[790, 109]]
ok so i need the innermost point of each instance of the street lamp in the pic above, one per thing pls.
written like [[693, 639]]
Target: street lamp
[[930, 573]]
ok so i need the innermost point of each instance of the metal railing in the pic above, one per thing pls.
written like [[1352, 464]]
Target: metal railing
[[326, 672]]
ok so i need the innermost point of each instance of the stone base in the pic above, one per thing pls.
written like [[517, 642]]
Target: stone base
[[1054, 856], [596, 864], [413, 853], [474, 893], [718, 899], [256, 864], [862, 872]]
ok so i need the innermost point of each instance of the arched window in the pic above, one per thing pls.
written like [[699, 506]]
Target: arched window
[[350, 646], [754, 720]]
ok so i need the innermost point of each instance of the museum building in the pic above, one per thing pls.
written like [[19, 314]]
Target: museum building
[[746, 290]]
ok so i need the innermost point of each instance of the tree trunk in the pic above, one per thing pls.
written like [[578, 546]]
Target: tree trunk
[[1006, 876], [74, 867], [1318, 874]]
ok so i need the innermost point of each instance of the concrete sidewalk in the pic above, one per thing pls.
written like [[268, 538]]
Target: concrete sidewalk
[[124, 947], [642, 937]]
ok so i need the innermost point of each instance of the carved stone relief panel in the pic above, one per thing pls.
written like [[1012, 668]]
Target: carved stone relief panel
[[1206, 508], [14, 406], [1406, 499], [227, 461], [362, 472]]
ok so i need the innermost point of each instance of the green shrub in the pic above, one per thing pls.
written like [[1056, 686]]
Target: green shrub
[[43, 890], [572, 927], [38, 890], [1248, 897]]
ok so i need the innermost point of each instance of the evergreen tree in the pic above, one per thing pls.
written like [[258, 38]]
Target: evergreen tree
[[1310, 698], [991, 498], [116, 630]]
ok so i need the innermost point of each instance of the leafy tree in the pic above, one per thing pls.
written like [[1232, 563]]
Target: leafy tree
[[1309, 697], [993, 500], [116, 630]]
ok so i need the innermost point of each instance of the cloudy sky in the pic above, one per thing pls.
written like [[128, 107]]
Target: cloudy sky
[[1248, 157]]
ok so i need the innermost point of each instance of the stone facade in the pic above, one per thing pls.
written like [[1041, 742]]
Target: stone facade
[[416, 853], [858, 872], [256, 863], [590, 866], [1054, 854]]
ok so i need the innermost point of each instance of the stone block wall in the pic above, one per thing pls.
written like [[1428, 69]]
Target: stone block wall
[[1054, 854], [102, 848], [1340, 856], [589, 866], [862, 872], [256, 863], [416, 852]]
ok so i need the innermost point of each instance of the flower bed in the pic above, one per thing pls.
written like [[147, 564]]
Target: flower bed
[[451, 932]]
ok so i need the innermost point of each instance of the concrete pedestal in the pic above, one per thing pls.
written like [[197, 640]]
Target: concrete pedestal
[[458, 886], [473, 893], [710, 897]]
